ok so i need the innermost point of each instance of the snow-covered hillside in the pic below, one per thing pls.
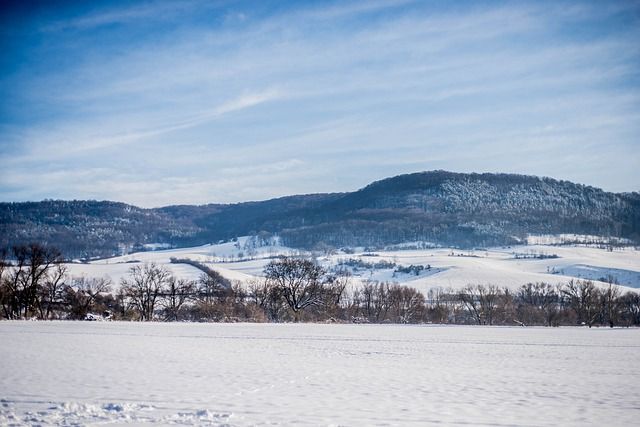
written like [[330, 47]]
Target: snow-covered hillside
[[446, 208], [512, 267]]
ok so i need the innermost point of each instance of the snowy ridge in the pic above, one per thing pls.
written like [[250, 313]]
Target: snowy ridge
[[444, 208]]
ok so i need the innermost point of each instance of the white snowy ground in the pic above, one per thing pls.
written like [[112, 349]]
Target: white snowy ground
[[86, 373], [496, 266], [218, 257]]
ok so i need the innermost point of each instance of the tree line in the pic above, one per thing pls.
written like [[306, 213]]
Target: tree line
[[36, 284]]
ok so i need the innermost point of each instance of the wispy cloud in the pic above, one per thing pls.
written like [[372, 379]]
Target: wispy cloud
[[67, 141], [124, 15], [240, 103]]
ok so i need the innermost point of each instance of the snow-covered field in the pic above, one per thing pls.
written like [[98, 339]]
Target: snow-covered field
[[82, 373], [507, 267], [450, 268]]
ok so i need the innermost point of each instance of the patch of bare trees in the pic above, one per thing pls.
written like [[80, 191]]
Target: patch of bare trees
[[177, 293], [85, 293], [31, 284], [299, 281], [144, 287], [34, 283]]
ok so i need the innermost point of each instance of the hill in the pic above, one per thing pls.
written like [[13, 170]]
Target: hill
[[445, 208]]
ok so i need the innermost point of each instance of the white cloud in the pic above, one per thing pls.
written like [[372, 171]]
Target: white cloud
[[68, 141]]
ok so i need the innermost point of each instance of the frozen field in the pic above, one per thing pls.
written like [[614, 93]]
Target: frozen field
[[450, 268], [75, 373]]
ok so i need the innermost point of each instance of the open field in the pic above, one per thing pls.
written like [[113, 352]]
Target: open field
[[450, 268], [82, 373]]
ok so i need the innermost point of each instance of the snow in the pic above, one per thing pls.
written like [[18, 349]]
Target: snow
[[621, 276], [90, 373], [498, 266], [562, 239], [450, 268], [156, 246]]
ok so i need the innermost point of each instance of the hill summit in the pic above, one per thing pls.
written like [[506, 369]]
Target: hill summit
[[444, 208]]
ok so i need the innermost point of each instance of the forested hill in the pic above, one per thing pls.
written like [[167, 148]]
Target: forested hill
[[463, 210]]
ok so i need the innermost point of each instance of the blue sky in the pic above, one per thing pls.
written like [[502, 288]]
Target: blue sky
[[159, 102]]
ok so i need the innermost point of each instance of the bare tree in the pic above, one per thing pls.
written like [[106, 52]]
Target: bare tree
[[611, 304], [52, 292], [334, 291], [471, 302], [407, 303], [5, 289], [210, 288], [177, 293], [211, 293], [84, 292], [144, 286], [299, 280], [583, 298], [266, 296], [481, 302], [439, 305], [3, 263], [552, 304], [38, 261], [22, 286], [11, 294], [538, 303], [630, 307], [374, 301]]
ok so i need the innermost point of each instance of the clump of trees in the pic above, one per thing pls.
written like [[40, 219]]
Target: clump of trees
[[359, 264], [31, 286], [411, 269], [35, 284]]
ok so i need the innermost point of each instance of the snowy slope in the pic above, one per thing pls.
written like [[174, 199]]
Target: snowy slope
[[449, 268], [222, 258], [500, 266]]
